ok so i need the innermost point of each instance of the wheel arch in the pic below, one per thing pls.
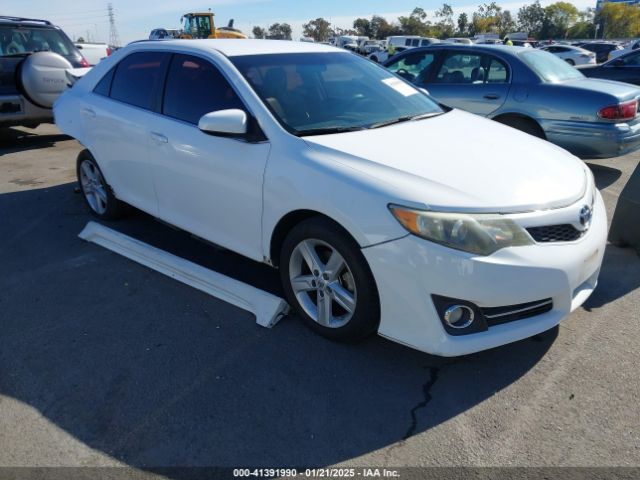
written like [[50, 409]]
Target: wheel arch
[[287, 223], [502, 117]]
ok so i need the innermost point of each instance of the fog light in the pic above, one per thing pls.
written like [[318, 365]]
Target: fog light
[[459, 316]]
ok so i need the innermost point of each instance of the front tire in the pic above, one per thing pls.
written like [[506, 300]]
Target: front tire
[[570, 62], [97, 194], [328, 281]]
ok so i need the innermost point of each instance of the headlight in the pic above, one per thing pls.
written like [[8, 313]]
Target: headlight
[[481, 234]]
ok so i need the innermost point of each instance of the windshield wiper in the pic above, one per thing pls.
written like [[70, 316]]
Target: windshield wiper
[[327, 131], [408, 118]]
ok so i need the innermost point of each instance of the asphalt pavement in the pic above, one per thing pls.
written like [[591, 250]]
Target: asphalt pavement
[[104, 362]]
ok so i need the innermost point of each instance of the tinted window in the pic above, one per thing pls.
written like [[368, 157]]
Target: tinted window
[[104, 85], [414, 67], [195, 87], [632, 60], [138, 78], [460, 68]]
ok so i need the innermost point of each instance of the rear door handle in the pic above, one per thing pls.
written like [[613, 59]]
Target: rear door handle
[[89, 112], [159, 138], [492, 96]]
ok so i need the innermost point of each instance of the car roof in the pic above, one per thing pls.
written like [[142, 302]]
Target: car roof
[[31, 22], [232, 47], [510, 49]]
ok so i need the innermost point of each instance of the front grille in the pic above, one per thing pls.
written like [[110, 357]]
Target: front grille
[[555, 233], [498, 315]]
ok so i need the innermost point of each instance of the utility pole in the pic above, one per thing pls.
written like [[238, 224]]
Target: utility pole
[[114, 39]]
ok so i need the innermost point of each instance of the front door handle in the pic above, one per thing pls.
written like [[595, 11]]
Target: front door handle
[[159, 138], [492, 96], [89, 112]]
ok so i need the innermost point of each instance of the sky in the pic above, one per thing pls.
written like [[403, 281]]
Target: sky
[[136, 18]]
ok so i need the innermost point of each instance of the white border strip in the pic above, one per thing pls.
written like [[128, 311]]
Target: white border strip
[[267, 308]]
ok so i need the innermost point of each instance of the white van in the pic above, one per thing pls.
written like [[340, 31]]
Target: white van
[[411, 41]]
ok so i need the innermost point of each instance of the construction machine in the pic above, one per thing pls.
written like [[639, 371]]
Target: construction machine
[[202, 25]]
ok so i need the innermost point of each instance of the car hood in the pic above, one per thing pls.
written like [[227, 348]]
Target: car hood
[[459, 162]]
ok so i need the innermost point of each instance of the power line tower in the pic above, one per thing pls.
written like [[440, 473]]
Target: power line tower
[[114, 39]]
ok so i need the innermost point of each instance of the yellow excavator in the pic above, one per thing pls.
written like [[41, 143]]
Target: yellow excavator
[[201, 25]]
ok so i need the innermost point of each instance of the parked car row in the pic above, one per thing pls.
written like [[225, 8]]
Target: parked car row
[[531, 90], [383, 211]]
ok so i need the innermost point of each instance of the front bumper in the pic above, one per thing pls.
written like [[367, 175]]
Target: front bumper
[[593, 139], [409, 270]]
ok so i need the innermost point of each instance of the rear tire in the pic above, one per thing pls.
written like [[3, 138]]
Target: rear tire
[[524, 125], [97, 194], [328, 281]]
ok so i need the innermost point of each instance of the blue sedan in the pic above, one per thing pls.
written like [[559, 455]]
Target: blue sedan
[[530, 90]]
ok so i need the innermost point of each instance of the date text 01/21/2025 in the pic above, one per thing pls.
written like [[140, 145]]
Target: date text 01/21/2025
[[316, 473]]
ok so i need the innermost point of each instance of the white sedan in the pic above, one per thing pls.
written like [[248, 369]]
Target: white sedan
[[384, 213], [572, 55]]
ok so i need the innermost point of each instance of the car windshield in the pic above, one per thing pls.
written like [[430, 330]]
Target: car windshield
[[320, 93], [550, 68], [22, 40]]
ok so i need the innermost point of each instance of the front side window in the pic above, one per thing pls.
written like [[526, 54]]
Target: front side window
[[139, 77], [316, 93], [194, 88], [414, 66]]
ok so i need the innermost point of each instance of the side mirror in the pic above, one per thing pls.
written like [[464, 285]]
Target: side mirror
[[424, 90], [618, 62], [232, 122]]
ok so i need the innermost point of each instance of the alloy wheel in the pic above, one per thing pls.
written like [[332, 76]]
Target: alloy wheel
[[323, 283]]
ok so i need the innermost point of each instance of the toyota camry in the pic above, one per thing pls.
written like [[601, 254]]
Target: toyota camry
[[383, 212]]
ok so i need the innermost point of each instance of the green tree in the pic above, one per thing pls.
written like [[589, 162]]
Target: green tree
[[280, 31], [463, 24], [558, 17], [506, 24], [259, 32], [585, 27], [445, 27], [531, 19], [486, 19], [416, 23], [381, 28], [363, 27], [318, 29], [620, 20]]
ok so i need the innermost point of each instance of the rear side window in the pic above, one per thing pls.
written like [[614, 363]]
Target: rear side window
[[104, 86], [138, 78], [196, 87], [460, 68]]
